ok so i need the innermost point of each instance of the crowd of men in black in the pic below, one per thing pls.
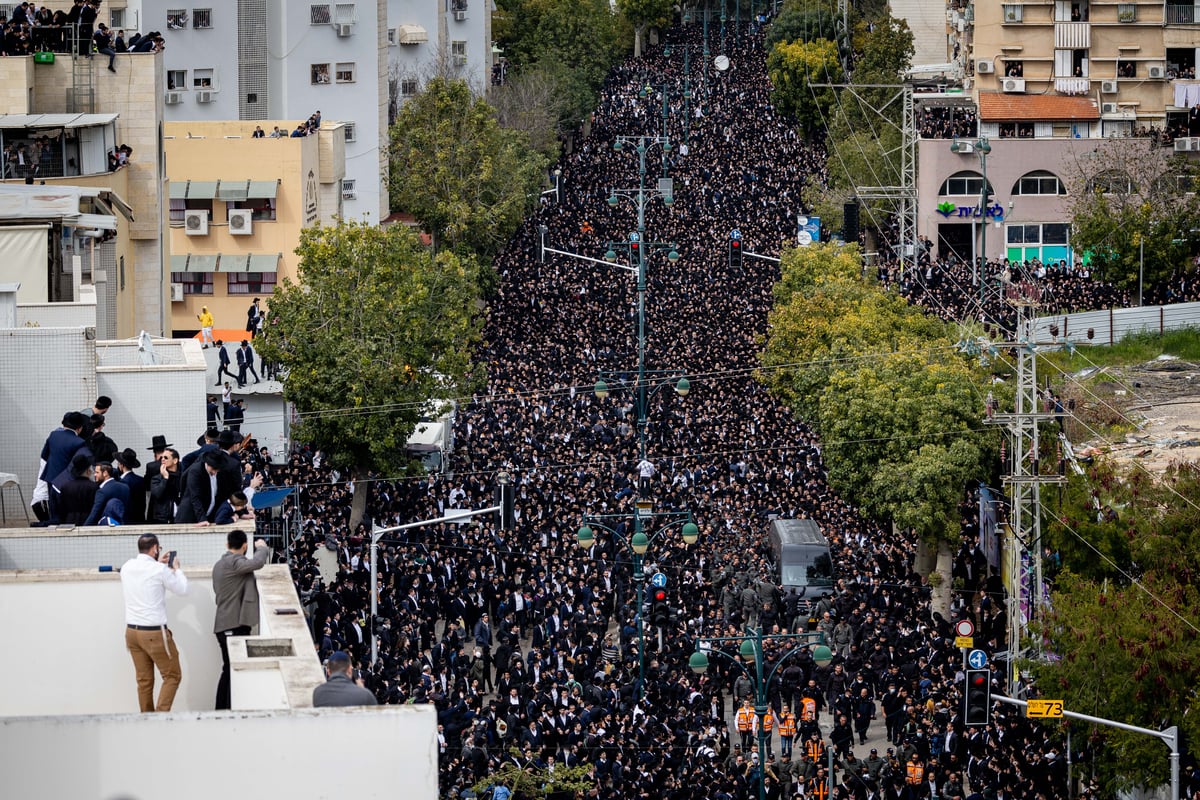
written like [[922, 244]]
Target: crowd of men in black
[[527, 643], [33, 28]]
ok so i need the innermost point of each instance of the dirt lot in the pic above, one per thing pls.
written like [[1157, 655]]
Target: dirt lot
[[1160, 399]]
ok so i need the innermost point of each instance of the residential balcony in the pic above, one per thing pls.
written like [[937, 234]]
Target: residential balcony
[[1072, 35]]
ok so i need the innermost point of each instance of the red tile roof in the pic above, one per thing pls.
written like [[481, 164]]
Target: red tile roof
[[1004, 107]]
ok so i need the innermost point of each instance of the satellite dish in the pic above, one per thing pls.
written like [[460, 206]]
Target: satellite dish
[[721, 63]]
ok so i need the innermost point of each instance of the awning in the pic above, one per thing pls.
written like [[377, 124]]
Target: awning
[[231, 191], [12, 121], [104, 222], [178, 190], [202, 190], [234, 262], [103, 197], [262, 189], [179, 263], [412, 34], [265, 263], [198, 263]]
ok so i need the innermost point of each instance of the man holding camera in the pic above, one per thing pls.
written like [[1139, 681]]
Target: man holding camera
[[145, 581], [237, 599]]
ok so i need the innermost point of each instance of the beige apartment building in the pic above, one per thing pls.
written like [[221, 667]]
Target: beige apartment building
[[237, 205]]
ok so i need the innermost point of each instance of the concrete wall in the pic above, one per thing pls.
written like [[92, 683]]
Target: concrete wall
[[299, 755], [1112, 325], [57, 315]]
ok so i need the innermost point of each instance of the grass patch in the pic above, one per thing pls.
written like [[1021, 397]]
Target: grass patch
[[1131, 350]]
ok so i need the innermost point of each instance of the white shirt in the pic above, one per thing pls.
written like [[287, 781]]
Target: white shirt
[[144, 582]]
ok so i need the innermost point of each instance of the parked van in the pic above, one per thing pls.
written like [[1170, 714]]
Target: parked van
[[800, 553], [432, 440]]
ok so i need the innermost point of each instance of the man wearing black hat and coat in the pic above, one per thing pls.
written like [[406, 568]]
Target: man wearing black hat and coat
[[197, 500], [135, 510], [164, 487], [76, 495]]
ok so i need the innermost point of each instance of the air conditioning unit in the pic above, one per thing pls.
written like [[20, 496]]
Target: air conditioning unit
[[173, 98], [195, 222], [204, 97], [1156, 72], [983, 67], [1108, 87], [1108, 108], [176, 292], [460, 16], [344, 29], [1184, 143], [1195, 143], [241, 222], [1014, 84]]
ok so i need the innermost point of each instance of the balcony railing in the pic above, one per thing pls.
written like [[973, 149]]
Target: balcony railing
[[1182, 15]]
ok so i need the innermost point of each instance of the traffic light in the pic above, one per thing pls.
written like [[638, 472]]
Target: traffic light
[[735, 253], [977, 699], [660, 614], [850, 222], [506, 517], [635, 252]]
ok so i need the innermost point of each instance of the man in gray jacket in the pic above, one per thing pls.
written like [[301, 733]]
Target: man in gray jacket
[[341, 689], [237, 599]]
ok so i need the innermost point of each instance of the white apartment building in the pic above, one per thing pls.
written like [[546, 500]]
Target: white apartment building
[[432, 37], [277, 60]]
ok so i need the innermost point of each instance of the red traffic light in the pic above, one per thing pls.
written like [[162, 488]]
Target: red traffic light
[[734, 243], [659, 595], [978, 678]]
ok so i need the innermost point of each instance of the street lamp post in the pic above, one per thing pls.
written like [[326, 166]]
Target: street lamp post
[[750, 650], [638, 544], [978, 269]]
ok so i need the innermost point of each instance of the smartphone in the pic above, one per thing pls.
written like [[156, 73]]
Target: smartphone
[[171, 558]]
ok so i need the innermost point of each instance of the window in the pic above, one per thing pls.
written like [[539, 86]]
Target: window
[[203, 78], [177, 19], [345, 72], [318, 14], [408, 87], [194, 282], [201, 18], [320, 73], [458, 48], [1039, 182], [1112, 182], [248, 283], [177, 79], [1055, 233], [1014, 69], [351, 131], [177, 209], [391, 36], [1126, 12], [116, 18], [963, 183], [1024, 234], [263, 208], [1013, 12], [343, 13], [348, 192], [252, 98]]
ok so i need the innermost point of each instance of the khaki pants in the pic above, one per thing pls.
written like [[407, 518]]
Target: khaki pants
[[150, 649]]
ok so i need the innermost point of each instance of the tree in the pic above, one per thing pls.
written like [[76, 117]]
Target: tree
[[793, 68], [531, 102], [527, 781], [466, 180], [1129, 203], [374, 329], [643, 14], [801, 20]]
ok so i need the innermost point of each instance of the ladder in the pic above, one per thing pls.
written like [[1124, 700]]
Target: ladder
[[81, 98]]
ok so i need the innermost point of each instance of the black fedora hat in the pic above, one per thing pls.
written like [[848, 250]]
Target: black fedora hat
[[128, 458], [158, 442]]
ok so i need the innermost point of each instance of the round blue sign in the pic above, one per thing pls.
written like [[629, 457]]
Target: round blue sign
[[977, 659], [659, 581]]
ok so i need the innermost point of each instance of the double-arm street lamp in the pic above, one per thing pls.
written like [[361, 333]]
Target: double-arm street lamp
[[638, 544], [981, 147], [750, 652]]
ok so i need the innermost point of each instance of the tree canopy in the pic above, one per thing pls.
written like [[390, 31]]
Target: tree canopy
[[467, 181], [794, 67], [375, 328]]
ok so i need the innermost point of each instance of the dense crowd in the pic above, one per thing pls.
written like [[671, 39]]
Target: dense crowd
[[525, 642]]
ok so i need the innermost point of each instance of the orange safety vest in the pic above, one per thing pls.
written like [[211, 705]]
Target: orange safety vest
[[768, 721], [814, 751], [745, 720], [916, 774], [818, 789], [787, 725], [808, 711]]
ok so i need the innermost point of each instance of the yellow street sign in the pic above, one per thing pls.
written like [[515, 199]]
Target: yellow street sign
[[964, 641], [1044, 708]]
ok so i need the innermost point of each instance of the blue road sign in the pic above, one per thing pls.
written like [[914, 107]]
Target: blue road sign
[[977, 659], [659, 581], [735, 234]]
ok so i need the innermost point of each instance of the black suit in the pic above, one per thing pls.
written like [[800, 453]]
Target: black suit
[[135, 509], [195, 496], [75, 500], [108, 492], [164, 493]]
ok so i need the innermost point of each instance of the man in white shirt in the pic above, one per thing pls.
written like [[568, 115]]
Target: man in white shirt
[[145, 581], [646, 471]]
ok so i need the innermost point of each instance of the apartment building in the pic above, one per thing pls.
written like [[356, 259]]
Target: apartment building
[[438, 37], [273, 61]]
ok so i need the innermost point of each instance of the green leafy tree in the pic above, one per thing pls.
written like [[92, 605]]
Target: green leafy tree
[[527, 781], [467, 181], [642, 15], [803, 21], [793, 68], [375, 328], [1133, 211]]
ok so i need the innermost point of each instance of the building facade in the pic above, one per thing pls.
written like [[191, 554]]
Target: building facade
[[237, 205], [271, 61], [438, 37]]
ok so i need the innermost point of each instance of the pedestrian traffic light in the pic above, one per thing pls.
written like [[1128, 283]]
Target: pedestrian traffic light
[[735, 253], [977, 698], [506, 517], [635, 252], [660, 614]]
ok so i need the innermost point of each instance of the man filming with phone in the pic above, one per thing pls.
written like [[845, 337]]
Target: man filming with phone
[[145, 580]]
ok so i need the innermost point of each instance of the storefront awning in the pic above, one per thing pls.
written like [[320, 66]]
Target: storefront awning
[[179, 263], [265, 263], [412, 34], [202, 190], [232, 191], [234, 262], [201, 263], [178, 190], [262, 189]]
